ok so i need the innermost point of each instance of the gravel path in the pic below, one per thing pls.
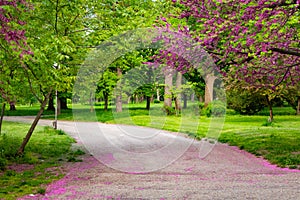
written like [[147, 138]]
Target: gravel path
[[225, 173]]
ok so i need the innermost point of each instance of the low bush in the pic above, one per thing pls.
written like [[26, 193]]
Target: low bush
[[169, 110], [214, 109]]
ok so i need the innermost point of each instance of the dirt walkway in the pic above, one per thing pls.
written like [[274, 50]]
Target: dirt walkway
[[226, 173]]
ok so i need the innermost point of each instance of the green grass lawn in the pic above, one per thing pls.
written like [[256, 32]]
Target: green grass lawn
[[29, 173], [279, 142]]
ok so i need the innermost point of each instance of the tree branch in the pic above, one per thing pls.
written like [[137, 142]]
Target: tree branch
[[285, 74], [286, 51]]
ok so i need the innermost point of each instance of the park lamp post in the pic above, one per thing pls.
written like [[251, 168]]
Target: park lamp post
[[55, 66]]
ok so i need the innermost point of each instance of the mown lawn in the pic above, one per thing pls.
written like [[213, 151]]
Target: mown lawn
[[278, 142], [29, 174]]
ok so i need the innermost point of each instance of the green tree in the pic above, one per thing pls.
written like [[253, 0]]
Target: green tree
[[113, 18], [54, 33]]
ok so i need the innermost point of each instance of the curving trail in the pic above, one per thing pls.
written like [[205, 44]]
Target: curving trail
[[225, 173]]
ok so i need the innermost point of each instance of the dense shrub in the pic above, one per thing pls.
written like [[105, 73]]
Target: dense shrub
[[245, 101], [3, 164]]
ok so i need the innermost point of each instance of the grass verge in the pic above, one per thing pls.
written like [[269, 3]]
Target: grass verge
[[40, 163], [278, 142]]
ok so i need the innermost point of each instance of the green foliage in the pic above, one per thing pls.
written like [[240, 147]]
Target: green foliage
[[78, 152], [41, 191], [214, 109], [169, 110], [277, 111], [156, 101], [3, 163], [245, 101], [291, 95]]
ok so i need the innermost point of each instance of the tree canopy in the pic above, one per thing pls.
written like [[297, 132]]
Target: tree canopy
[[255, 41]]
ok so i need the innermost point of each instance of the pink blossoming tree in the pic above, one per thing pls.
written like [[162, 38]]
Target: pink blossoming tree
[[255, 44]]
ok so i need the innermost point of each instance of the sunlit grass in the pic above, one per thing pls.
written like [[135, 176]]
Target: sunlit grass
[[279, 142], [46, 149]]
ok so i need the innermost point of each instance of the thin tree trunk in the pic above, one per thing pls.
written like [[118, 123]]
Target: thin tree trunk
[[51, 103], [148, 103], [129, 99], [2, 114], [178, 93], [185, 101], [193, 97], [270, 109], [33, 125], [201, 99], [63, 103], [298, 106], [119, 92], [58, 106], [12, 106], [141, 99], [105, 102], [92, 109], [136, 98], [157, 94]]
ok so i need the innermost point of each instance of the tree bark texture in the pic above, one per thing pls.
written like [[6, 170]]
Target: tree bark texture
[[119, 92], [178, 92], [33, 125], [51, 103], [12, 106], [168, 87], [298, 105], [209, 86], [63, 103], [2, 114], [271, 117], [148, 102]]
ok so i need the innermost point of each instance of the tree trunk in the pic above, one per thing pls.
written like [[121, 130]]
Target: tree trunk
[[178, 93], [136, 98], [92, 109], [148, 103], [152, 98], [209, 86], [63, 103], [298, 106], [51, 103], [141, 99], [157, 94], [2, 114], [270, 108], [105, 102], [193, 97], [201, 99], [185, 101], [58, 106], [12, 106], [168, 86], [33, 125], [119, 92]]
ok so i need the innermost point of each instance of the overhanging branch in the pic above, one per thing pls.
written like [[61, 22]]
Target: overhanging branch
[[286, 51]]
